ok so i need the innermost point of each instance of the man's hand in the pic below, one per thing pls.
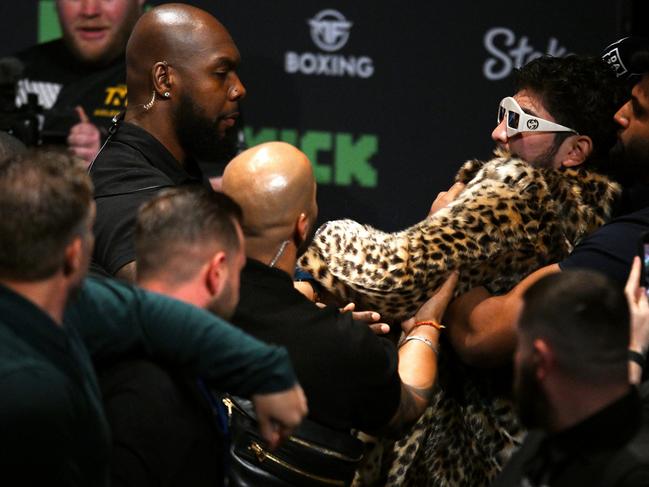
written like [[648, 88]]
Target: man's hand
[[306, 288], [84, 139], [445, 197], [639, 309], [433, 309], [371, 318], [279, 413]]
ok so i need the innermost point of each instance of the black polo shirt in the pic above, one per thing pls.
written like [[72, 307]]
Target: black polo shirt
[[349, 375], [129, 170], [608, 449]]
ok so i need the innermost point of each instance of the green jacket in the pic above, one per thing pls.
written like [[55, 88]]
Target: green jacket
[[52, 425]]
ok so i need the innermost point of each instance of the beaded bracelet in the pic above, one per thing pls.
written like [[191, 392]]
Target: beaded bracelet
[[432, 323]]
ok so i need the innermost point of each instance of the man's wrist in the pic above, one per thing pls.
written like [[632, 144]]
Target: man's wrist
[[640, 347], [637, 358]]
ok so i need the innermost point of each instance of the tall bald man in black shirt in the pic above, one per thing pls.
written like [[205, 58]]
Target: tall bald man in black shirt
[[184, 94]]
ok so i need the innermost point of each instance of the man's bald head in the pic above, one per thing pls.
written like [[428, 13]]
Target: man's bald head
[[175, 33], [273, 183]]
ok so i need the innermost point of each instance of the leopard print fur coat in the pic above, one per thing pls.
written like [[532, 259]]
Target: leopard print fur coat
[[509, 220]]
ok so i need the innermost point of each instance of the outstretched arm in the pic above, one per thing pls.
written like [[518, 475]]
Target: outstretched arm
[[482, 327], [114, 318], [418, 358]]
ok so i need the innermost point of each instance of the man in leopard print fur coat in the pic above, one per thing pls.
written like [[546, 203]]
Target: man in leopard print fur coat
[[524, 209]]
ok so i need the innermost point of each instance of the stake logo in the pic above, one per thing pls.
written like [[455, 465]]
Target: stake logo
[[507, 52], [330, 30]]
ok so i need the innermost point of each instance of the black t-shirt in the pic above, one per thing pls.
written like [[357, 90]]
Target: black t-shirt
[[164, 432], [129, 170], [349, 375], [62, 82], [611, 249]]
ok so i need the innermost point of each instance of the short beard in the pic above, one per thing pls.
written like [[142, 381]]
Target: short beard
[[531, 403], [222, 306], [630, 162], [546, 160], [197, 134]]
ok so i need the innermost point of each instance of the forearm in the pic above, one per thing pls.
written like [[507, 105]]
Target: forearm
[[418, 374], [119, 318], [482, 327]]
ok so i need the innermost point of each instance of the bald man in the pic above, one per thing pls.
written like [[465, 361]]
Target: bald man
[[353, 379], [183, 95]]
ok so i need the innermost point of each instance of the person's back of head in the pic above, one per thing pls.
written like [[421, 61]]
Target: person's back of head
[[10, 146], [177, 228], [583, 317], [580, 92], [275, 187], [45, 202], [183, 232]]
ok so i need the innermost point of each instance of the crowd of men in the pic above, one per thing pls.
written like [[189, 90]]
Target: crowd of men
[[121, 378]]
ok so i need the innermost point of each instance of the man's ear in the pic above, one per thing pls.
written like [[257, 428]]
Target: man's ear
[[302, 227], [161, 79], [579, 149], [543, 358], [216, 274], [73, 256]]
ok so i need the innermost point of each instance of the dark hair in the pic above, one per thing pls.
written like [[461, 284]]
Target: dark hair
[[10, 146], [45, 199], [584, 317], [178, 222], [580, 92]]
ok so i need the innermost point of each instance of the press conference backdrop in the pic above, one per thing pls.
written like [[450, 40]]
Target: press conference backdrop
[[386, 98]]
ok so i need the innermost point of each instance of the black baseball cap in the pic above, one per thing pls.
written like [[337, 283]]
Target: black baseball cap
[[629, 57]]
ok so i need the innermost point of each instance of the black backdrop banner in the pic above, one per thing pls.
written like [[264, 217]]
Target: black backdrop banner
[[386, 98]]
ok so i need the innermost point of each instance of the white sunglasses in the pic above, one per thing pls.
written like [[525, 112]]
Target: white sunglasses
[[518, 121]]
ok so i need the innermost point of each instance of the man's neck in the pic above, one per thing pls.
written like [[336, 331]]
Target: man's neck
[[267, 254], [50, 295], [188, 292], [156, 123], [581, 402]]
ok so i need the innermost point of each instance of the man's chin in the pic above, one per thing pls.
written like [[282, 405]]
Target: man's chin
[[91, 53]]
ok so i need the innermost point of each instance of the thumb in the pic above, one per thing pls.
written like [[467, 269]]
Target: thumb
[[83, 118], [268, 431]]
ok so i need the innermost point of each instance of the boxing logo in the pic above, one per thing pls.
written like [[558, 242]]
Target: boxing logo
[[329, 30], [330, 33]]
